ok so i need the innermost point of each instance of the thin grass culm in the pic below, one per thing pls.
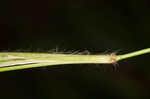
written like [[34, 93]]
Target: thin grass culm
[[10, 61]]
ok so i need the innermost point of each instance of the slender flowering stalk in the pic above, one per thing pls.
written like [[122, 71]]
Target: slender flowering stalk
[[21, 60], [133, 54]]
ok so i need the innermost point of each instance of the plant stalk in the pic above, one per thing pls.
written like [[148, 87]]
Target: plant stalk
[[22, 60]]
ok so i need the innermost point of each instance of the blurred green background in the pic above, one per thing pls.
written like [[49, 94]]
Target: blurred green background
[[99, 26]]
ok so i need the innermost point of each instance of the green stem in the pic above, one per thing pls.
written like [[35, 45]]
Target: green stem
[[19, 60], [133, 54]]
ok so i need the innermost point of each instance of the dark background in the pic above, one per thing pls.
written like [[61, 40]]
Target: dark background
[[76, 25]]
